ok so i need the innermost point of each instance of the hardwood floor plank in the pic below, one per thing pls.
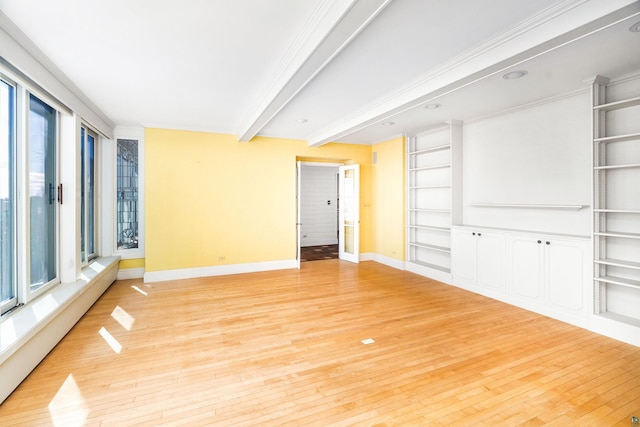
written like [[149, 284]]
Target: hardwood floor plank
[[284, 348]]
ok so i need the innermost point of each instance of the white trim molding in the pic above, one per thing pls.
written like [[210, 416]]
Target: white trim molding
[[131, 273], [219, 270]]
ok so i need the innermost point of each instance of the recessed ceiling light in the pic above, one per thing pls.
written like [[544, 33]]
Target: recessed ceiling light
[[514, 75], [635, 28], [432, 106], [388, 123], [302, 120]]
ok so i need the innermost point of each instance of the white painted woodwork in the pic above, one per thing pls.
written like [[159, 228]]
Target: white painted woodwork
[[566, 272], [318, 205], [550, 271], [491, 270], [478, 258], [349, 213], [464, 260], [433, 199], [616, 201], [298, 213], [526, 267], [546, 273], [521, 166]]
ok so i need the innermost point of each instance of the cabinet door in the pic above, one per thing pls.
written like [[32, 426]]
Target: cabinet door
[[463, 257], [526, 267], [566, 274], [490, 270]]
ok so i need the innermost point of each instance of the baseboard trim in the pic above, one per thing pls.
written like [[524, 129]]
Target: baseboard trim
[[131, 273], [431, 273], [383, 259], [219, 270]]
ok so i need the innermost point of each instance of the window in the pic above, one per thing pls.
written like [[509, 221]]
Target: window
[[8, 297], [43, 193], [88, 209], [127, 194]]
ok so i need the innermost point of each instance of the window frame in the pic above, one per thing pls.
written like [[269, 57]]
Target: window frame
[[85, 257], [11, 302], [128, 133], [25, 292]]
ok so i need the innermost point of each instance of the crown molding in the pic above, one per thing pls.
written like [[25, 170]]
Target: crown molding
[[554, 27]]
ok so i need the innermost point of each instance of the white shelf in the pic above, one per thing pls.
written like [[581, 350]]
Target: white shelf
[[430, 210], [618, 263], [431, 150], [430, 227], [631, 211], [617, 138], [528, 206], [636, 165], [429, 265], [616, 234], [618, 281], [428, 187], [427, 168], [430, 247], [625, 103], [620, 318]]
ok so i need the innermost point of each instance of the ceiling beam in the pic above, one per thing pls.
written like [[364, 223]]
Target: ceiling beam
[[331, 29]]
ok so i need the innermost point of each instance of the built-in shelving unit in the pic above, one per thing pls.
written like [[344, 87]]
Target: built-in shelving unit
[[616, 206], [433, 199]]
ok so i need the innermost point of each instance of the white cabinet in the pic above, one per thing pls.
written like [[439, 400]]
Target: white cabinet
[[478, 258], [566, 273], [526, 270], [549, 272], [545, 273]]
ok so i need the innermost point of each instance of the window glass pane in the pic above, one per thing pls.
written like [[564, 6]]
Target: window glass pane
[[127, 191], [90, 195], [87, 197], [42, 191], [83, 249], [7, 201]]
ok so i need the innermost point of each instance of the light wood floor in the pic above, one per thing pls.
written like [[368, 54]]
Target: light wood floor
[[284, 348]]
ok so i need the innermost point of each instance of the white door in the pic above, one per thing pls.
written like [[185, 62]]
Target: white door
[[526, 267], [463, 257], [566, 274], [298, 211], [490, 268], [349, 213]]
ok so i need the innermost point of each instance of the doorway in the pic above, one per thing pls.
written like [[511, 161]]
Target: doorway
[[318, 211], [342, 194]]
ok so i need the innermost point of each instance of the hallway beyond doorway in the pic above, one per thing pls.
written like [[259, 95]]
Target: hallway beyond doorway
[[314, 253]]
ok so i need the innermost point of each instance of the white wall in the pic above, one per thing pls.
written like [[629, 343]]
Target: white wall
[[319, 205], [539, 154]]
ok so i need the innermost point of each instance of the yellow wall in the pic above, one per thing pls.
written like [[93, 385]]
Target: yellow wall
[[131, 263], [211, 200], [389, 196]]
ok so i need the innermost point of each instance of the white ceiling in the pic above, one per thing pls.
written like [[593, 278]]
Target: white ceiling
[[254, 67]]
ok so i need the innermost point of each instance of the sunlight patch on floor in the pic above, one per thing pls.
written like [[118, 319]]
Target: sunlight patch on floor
[[68, 408], [113, 343], [122, 317]]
